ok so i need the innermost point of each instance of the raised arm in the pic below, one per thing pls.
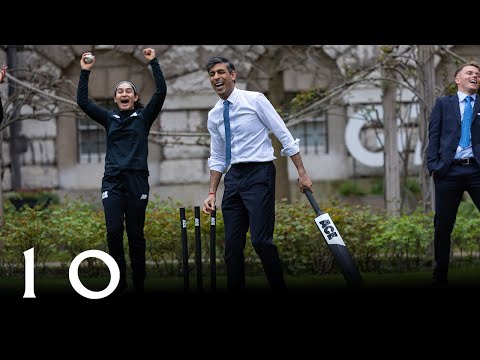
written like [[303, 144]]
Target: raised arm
[[94, 111], [152, 109], [3, 75]]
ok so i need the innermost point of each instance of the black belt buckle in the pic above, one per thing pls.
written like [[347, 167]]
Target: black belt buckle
[[463, 161]]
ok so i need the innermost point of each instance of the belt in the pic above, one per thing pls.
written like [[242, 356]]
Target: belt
[[250, 164], [464, 161]]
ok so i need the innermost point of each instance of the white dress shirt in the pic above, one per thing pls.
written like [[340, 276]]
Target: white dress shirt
[[252, 116], [468, 151]]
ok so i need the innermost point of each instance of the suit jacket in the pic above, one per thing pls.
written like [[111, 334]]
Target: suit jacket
[[444, 131]]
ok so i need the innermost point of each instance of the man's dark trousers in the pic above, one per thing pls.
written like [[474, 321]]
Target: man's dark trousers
[[249, 202], [449, 190]]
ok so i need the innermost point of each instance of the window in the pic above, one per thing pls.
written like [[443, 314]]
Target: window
[[313, 134], [91, 136]]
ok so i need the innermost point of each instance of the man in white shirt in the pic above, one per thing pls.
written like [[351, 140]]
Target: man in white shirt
[[249, 194]]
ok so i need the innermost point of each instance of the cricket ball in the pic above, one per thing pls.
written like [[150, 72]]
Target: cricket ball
[[88, 59]]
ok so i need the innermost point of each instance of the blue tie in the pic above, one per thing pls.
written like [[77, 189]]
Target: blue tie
[[228, 133], [466, 124]]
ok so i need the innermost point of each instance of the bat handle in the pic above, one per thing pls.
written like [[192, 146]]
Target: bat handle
[[312, 201]]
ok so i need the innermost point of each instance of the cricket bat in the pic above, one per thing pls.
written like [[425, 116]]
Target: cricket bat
[[335, 243]]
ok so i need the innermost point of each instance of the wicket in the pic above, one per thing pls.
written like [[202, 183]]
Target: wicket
[[213, 256], [198, 250], [183, 225]]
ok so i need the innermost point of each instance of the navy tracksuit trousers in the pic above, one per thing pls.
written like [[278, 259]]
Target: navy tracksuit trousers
[[125, 199]]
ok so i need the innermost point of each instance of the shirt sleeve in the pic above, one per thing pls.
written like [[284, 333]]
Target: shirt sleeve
[[216, 161], [275, 123]]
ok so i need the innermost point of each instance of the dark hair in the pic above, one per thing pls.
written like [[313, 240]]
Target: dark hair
[[137, 104], [471, 63], [220, 60]]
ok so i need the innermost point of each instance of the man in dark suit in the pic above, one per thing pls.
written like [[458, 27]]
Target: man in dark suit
[[453, 159]]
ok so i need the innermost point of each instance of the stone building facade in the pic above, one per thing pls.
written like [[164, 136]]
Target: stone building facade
[[66, 152]]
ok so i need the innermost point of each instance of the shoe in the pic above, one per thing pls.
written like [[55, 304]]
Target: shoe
[[138, 287], [121, 288], [439, 284]]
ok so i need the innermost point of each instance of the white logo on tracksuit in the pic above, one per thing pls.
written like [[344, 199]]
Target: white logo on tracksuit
[[104, 195], [143, 197]]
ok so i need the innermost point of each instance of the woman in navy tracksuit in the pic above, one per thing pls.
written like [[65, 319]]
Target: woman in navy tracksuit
[[125, 187]]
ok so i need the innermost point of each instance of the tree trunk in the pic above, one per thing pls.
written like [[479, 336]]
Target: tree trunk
[[16, 126], [391, 156], [276, 94], [426, 74]]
